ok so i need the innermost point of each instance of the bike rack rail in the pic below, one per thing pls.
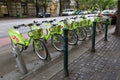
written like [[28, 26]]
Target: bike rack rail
[[94, 33], [65, 51], [106, 29], [93, 36]]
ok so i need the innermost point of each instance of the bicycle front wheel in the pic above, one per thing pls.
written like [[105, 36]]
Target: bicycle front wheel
[[57, 41], [40, 49], [82, 34], [72, 37], [20, 47]]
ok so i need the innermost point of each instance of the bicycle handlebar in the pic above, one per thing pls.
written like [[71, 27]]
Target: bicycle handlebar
[[38, 24], [44, 21], [18, 26], [61, 20], [54, 24], [22, 25], [74, 17], [35, 22], [49, 21]]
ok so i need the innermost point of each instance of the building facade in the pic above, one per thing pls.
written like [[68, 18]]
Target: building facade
[[14, 8], [19, 8]]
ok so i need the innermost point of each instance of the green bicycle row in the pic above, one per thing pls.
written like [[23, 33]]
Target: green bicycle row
[[79, 28]]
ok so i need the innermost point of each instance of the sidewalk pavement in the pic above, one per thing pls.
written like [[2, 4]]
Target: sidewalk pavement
[[104, 64]]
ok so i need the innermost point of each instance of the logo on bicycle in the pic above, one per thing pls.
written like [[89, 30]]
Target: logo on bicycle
[[15, 38]]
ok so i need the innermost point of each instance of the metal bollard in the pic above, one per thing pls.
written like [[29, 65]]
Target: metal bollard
[[93, 36], [19, 61], [65, 49], [106, 29]]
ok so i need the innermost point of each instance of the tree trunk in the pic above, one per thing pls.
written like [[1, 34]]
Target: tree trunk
[[68, 4], [45, 7], [7, 8], [60, 12], [16, 9], [117, 29], [27, 8], [37, 8], [77, 5]]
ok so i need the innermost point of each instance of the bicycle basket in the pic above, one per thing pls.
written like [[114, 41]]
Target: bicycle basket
[[36, 34], [59, 28], [16, 37], [52, 29]]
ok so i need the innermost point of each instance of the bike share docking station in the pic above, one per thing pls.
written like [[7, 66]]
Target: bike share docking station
[[19, 61]]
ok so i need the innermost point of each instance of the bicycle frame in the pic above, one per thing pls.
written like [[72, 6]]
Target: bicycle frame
[[17, 37], [51, 31]]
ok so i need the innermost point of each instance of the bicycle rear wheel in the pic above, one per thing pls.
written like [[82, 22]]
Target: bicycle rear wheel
[[99, 27], [82, 34], [72, 37], [102, 26], [89, 31], [40, 49], [57, 42]]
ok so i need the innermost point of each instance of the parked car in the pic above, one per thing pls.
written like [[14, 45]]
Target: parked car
[[110, 13], [96, 12], [77, 12], [84, 12], [41, 15], [68, 12]]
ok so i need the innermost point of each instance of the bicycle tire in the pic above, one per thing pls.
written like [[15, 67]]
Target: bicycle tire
[[20, 48], [72, 37], [99, 27], [40, 49], [89, 31], [57, 42], [82, 34], [102, 27]]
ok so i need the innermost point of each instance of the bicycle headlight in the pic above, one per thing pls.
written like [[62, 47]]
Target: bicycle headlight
[[30, 33], [51, 29]]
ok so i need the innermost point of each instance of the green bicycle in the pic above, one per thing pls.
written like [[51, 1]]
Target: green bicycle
[[17, 40], [100, 24], [72, 36], [56, 38], [80, 31]]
